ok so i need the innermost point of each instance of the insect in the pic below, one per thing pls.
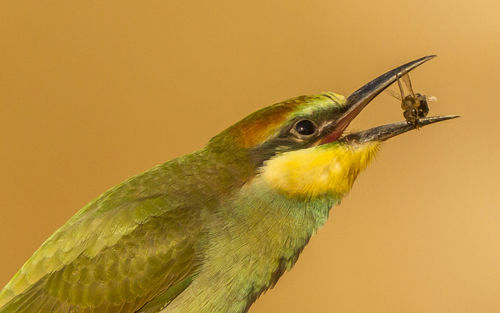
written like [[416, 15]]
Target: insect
[[415, 105]]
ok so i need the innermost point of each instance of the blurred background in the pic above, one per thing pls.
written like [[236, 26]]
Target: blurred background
[[93, 92]]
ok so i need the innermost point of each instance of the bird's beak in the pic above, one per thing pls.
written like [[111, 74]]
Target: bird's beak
[[387, 131], [358, 100]]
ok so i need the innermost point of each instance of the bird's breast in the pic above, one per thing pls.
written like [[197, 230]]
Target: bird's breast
[[253, 240]]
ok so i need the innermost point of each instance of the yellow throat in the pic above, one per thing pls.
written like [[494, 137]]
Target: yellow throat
[[329, 169]]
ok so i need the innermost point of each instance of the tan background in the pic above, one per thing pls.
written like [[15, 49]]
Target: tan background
[[92, 92]]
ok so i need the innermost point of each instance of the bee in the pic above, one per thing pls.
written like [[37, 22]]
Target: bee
[[415, 105]]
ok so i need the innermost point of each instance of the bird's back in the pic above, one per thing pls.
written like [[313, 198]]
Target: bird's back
[[136, 242]]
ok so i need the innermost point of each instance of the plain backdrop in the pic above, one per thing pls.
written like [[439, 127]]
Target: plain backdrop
[[93, 92]]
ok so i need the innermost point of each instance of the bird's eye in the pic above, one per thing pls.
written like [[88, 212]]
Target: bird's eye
[[305, 127]]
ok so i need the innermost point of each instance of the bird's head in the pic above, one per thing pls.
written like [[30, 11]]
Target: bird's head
[[298, 146]]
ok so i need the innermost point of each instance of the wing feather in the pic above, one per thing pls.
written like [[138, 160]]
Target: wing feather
[[116, 254]]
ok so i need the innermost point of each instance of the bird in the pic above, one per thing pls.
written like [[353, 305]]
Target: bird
[[210, 231]]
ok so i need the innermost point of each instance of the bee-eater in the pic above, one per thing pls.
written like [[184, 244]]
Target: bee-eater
[[210, 231]]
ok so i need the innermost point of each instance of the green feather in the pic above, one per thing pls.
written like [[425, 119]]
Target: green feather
[[201, 233]]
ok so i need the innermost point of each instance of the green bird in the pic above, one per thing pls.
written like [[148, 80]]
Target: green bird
[[210, 231]]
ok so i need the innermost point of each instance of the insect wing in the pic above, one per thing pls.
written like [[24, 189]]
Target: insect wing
[[393, 94], [407, 81]]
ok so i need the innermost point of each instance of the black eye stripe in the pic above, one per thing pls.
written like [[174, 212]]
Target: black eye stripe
[[305, 127]]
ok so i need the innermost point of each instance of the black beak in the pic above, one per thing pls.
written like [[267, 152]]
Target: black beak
[[361, 97], [387, 131]]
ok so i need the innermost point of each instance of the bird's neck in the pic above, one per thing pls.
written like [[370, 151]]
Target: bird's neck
[[254, 239]]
